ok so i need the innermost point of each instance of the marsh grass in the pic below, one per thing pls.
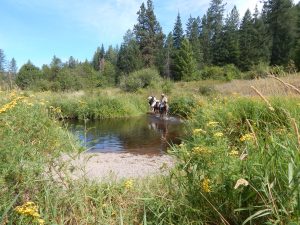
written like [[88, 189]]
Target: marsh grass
[[268, 86]]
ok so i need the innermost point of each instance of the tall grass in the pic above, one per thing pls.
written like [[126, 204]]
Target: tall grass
[[238, 165], [241, 163]]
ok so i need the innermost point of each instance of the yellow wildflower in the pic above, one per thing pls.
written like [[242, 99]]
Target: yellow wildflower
[[247, 137], [182, 145], [201, 150], [10, 105], [218, 134], [128, 184], [199, 131], [41, 221], [212, 124], [234, 153], [29, 209], [205, 185]]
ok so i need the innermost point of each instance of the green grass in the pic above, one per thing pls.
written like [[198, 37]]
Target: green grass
[[199, 190]]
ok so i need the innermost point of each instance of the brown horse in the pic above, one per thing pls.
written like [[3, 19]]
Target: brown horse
[[163, 109]]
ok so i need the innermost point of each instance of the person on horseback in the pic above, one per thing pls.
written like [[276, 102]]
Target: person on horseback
[[164, 102]]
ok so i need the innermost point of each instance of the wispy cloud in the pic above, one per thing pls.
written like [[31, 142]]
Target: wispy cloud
[[108, 19]]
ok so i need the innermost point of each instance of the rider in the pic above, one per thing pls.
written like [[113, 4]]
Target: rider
[[164, 102]]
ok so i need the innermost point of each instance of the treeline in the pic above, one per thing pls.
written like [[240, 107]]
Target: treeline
[[214, 46]]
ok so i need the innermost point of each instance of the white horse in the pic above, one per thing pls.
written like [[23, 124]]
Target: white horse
[[153, 104]]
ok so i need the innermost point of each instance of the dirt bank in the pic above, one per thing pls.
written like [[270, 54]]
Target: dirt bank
[[117, 165]]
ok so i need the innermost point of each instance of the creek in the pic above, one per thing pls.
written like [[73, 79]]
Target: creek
[[147, 134]]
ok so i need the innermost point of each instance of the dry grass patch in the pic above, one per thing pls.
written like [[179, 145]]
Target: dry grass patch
[[268, 86]]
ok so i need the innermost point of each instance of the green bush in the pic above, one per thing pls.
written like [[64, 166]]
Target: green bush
[[207, 90], [227, 72], [140, 79], [167, 86], [183, 106]]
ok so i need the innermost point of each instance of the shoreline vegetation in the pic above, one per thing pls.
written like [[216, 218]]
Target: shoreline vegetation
[[238, 164]]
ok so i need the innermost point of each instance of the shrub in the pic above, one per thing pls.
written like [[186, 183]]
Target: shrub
[[140, 79], [207, 90], [167, 86], [183, 106], [227, 72]]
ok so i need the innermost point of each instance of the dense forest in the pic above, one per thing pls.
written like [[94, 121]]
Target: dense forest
[[210, 46]]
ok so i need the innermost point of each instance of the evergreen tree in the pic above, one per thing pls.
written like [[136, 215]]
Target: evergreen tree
[[2, 61], [71, 62], [205, 41], [229, 53], [177, 33], [129, 57], [12, 71], [98, 55], [185, 63], [27, 75], [111, 55], [247, 33], [55, 66], [149, 35], [261, 40], [281, 19], [211, 37], [13, 67], [297, 42], [193, 35], [215, 21], [169, 52]]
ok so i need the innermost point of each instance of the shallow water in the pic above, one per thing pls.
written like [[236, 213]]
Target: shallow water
[[139, 135]]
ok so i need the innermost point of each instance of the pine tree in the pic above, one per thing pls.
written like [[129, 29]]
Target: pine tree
[[177, 33], [211, 36], [247, 33], [215, 21], [111, 55], [169, 55], [129, 57], [281, 22], [12, 71], [27, 75], [149, 35], [297, 42], [205, 41], [261, 40], [229, 54], [2, 61], [97, 59], [193, 35], [185, 63], [55, 66], [72, 62]]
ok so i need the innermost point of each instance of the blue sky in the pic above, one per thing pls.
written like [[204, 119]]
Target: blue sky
[[39, 29]]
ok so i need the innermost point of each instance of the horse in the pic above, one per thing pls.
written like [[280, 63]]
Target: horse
[[158, 107], [153, 104], [163, 109]]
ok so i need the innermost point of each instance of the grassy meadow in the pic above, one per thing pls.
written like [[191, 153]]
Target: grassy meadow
[[238, 164]]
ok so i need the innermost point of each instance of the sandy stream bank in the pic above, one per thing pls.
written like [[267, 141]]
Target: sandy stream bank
[[98, 166]]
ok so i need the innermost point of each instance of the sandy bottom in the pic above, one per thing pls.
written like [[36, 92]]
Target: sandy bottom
[[99, 166]]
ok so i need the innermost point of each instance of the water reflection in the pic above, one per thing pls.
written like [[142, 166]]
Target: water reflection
[[141, 135]]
